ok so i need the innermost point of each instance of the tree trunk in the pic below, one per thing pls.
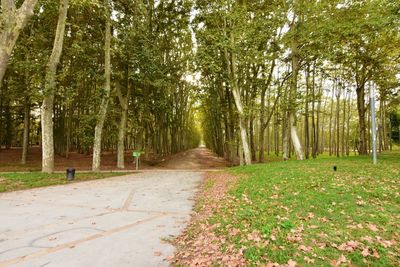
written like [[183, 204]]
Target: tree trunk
[[314, 127], [295, 138], [344, 124], [306, 115], [49, 90], [232, 73], [292, 101], [122, 127], [362, 134], [262, 113], [12, 21], [331, 135], [348, 125], [285, 138], [107, 88], [25, 139], [338, 92]]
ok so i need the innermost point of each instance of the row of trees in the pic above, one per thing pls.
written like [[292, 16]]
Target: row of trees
[[288, 77], [295, 75], [98, 74]]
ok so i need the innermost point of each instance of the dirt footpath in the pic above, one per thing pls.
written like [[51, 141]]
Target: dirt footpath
[[122, 221], [194, 159]]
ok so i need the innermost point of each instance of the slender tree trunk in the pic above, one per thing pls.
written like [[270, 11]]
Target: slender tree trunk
[[232, 73], [292, 101], [122, 127], [262, 113], [348, 125], [252, 139], [344, 124], [314, 127], [338, 92], [107, 88], [285, 138], [49, 90], [12, 22], [306, 116], [330, 123], [276, 134], [318, 125], [362, 147], [25, 139]]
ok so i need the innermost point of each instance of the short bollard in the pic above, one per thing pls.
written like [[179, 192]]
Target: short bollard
[[70, 174]]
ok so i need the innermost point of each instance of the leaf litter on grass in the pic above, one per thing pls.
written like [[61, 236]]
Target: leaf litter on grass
[[286, 214]]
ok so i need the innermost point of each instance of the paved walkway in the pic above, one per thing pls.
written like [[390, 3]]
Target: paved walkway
[[121, 221]]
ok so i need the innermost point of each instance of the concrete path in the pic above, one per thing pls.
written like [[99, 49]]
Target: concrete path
[[121, 221]]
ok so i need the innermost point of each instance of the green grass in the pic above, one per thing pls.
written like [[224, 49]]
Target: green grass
[[19, 181], [304, 211]]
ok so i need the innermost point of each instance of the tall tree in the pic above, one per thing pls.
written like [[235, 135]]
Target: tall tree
[[49, 91], [106, 94], [12, 21]]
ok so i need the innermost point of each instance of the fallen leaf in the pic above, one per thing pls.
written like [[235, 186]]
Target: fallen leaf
[[373, 227], [304, 248], [365, 252], [291, 263], [308, 260], [348, 246], [157, 253]]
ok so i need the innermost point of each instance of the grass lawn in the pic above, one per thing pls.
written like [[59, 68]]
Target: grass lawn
[[303, 213], [18, 181]]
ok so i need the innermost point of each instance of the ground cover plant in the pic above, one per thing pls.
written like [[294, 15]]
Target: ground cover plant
[[19, 181], [306, 214]]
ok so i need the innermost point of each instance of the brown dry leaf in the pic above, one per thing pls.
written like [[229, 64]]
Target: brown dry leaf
[[308, 260], [291, 263], [254, 236], [304, 248], [272, 264], [365, 252], [349, 246], [342, 259], [157, 253], [373, 227], [273, 238], [385, 243], [375, 254], [368, 239]]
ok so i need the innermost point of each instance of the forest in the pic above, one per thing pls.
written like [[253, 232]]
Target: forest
[[249, 79]]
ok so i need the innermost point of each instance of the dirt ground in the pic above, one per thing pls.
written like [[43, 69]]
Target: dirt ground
[[194, 159]]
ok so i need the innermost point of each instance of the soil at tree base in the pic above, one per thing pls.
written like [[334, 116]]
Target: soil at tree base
[[197, 159]]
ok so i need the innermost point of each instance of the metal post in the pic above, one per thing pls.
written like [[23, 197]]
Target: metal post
[[373, 122]]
